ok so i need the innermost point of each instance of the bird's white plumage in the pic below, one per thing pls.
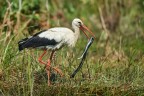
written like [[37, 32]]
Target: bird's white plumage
[[62, 35], [57, 34]]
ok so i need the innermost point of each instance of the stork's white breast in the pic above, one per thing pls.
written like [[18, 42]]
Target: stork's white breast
[[60, 34]]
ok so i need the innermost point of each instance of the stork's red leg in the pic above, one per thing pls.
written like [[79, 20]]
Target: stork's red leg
[[51, 56], [48, 65], [48, 71], [49, 60], [40, 58], [55, 68]]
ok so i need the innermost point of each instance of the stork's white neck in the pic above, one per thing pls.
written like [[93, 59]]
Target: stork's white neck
[[76, 34]]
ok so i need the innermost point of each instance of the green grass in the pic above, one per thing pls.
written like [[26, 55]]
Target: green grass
[[113, 67]]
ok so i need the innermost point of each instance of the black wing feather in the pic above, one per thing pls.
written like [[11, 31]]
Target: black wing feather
[[35, 41]]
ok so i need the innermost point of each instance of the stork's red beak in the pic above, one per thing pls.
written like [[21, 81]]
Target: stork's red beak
[[83, 28]]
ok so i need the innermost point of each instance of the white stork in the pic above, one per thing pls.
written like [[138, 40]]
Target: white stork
[[53, 39]]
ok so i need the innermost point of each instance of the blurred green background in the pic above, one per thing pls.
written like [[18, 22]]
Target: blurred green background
[[114, 65]]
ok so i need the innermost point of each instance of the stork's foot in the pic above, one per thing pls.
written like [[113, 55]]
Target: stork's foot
[[53, 77], [58, 71], [48, 68], [48, 74], [48, 71]]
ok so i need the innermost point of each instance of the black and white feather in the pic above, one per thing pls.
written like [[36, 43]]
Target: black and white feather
[[53, 38]]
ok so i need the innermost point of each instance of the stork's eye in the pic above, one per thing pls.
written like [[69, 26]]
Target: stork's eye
[[79, 23]]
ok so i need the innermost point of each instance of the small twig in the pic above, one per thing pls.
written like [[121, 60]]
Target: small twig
[[7, 12], [7, 21], [102, 20], [16, 29], [104, 27]]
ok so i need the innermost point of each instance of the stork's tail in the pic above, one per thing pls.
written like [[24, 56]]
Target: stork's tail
[[21, 44]]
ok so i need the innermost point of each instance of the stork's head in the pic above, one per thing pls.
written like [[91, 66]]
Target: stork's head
[[77, 23]]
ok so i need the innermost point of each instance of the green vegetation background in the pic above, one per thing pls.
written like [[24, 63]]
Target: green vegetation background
[[114, 64]]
